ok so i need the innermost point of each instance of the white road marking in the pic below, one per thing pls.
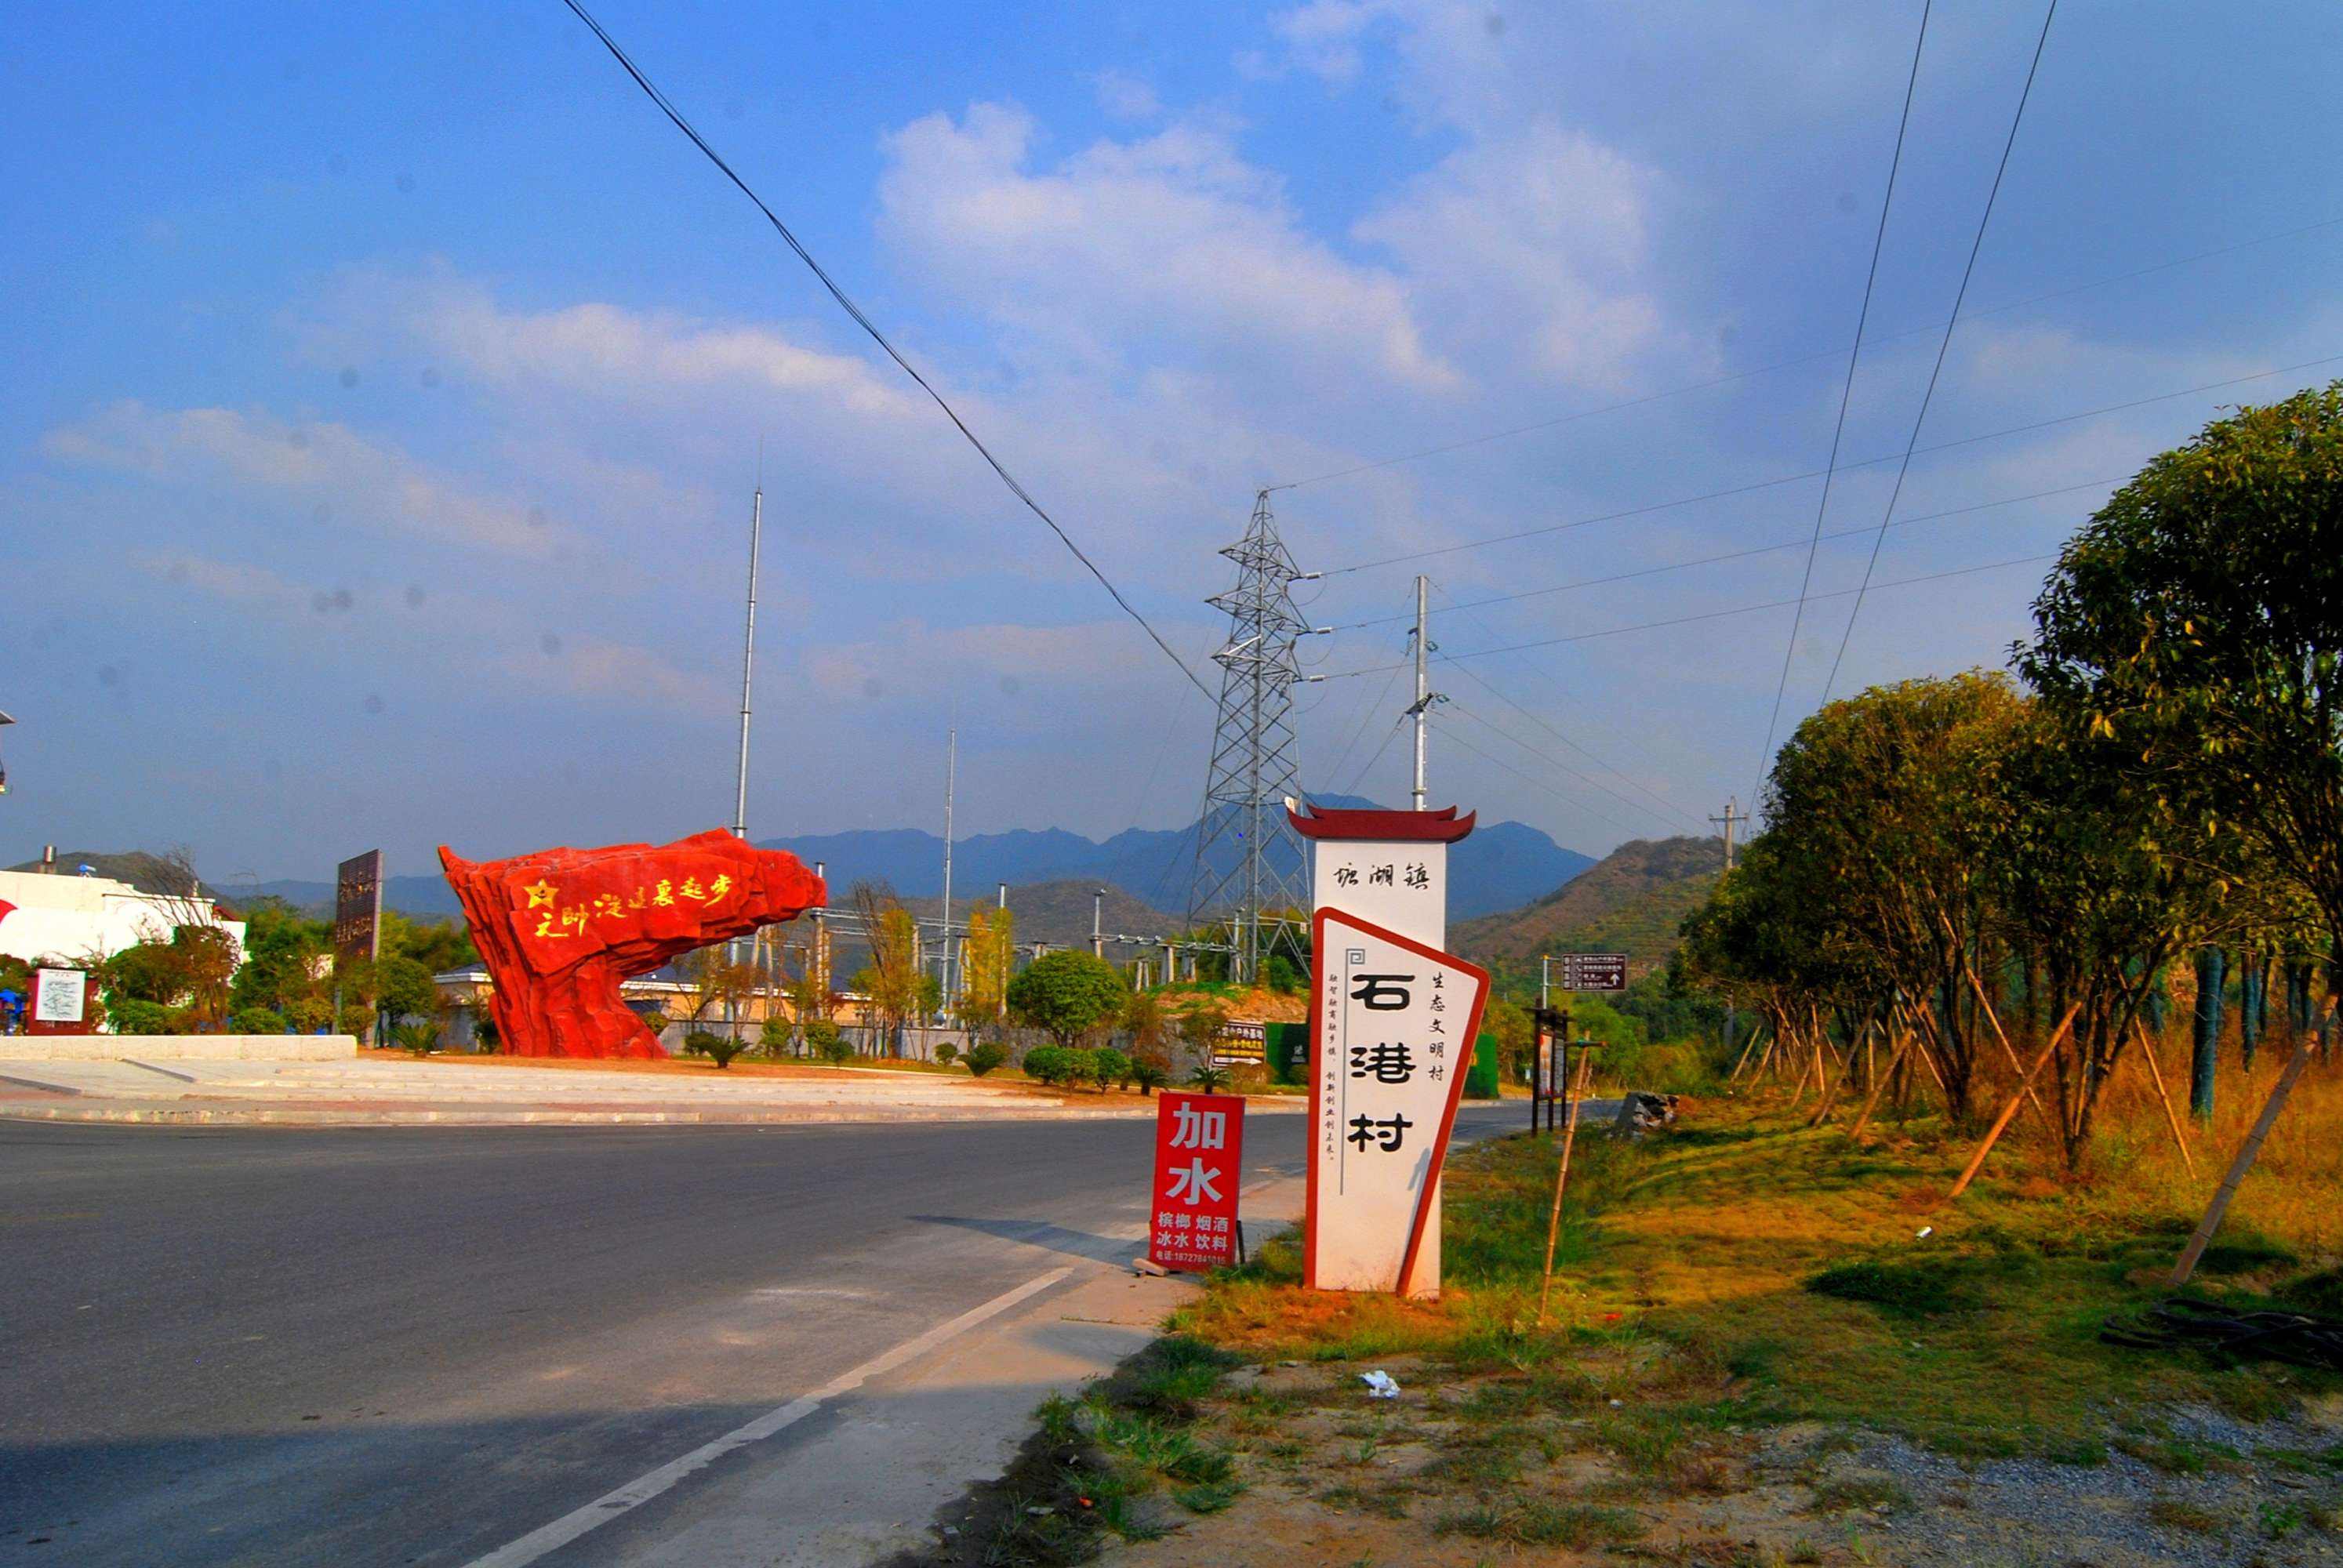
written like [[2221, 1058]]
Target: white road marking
[[549, 1537]]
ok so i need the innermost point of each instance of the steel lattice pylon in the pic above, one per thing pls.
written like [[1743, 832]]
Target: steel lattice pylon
[[1249, 863]]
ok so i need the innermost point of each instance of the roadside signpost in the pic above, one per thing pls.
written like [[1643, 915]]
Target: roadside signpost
[[1199, 1162], [1384, 875], [1396, 1019], [1591, 972]]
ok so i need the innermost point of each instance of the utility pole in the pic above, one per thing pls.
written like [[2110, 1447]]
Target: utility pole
[[734, 954], [1098, 909], [1422, 690], [951, 777], [1425, 696], [1732, 815]]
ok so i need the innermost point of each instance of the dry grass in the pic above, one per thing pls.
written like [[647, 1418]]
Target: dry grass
[[1688, 1274]]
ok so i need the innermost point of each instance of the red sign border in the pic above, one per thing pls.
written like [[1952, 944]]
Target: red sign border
[[1318, 923]]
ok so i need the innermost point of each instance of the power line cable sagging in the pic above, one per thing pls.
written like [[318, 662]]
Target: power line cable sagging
[[675, 117], [1847, 388], [1944, 346]]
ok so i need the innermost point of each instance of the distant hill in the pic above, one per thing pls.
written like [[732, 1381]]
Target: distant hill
[[1631, 901], [1058, 912], [147, 873], [1501, 865], [422, 898]]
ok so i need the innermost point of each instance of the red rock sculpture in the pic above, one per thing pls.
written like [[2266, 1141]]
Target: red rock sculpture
[[559, 929]]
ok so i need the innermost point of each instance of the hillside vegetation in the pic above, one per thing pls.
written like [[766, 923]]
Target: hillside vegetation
[[1631, 901]]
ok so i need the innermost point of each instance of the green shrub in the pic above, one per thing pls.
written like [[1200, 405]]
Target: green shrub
[[255, 1020], [1109, 1067], [828, 1041], [1061, 1065], [982, 1058], [773, 1036], [417, 1038], [1150, 1072], [719, 1049], [131, 1016], [946, 1053], [1210, 1077]]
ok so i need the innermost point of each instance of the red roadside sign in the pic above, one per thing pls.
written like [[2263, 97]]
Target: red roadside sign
[[1199, 1157]]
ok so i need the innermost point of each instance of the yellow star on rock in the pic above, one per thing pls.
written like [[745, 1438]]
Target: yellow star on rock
[[542, 893]]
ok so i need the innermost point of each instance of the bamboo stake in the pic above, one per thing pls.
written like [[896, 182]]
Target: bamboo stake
[[1832, 1091], [2008, 1049], [1561, 1180], [2163, 1098], [1871, 1100], [2244, 1163], [1754, 1031], [2009, 1111]]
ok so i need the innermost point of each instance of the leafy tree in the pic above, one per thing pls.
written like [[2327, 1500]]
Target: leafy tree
[[438, 945], [1067, 994], [405, 989], [893, 979], [1151, 1073], [2194, 623], [989, 955], [282, 952]]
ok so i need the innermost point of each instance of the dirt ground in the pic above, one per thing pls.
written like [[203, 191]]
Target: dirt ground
[[1459, 1472]]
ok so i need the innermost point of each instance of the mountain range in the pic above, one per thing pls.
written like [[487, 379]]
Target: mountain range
[[1501, 865]]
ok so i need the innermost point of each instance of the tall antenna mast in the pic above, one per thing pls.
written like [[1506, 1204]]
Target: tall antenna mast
[[748, 646], [1248, 858]]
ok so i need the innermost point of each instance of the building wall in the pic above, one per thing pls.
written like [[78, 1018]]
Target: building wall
[[74, 918]]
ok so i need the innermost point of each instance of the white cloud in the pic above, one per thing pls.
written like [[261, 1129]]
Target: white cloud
[[358, 479], [1164, 246], [1534, 242], [1125, 97], [622, 674], [229, 580]]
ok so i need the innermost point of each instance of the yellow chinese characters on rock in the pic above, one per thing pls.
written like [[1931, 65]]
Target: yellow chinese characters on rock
[[555, 920]]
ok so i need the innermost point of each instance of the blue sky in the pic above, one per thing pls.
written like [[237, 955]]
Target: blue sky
[[388, 381]]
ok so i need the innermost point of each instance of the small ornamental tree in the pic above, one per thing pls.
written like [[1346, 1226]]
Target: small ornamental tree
[[1067, 994]]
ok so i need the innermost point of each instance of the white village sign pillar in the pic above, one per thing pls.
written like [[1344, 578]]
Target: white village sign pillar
[[1392, 1018]]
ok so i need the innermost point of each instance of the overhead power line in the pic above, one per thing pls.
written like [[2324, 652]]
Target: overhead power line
[[1552, 761], [1613, 738], [675, 117], [1817, 473], [1944, 346], [1738, 555], [1705, 615], [1847, 388], [1546, 784], [1466, 443]]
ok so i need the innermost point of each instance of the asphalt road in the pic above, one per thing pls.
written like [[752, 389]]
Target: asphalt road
[[386, 1346]]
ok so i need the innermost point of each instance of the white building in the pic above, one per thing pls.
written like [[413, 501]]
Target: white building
[[71, 919]]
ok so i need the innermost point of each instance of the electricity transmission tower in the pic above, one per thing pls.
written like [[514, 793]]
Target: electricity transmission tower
[[1249, 866]]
